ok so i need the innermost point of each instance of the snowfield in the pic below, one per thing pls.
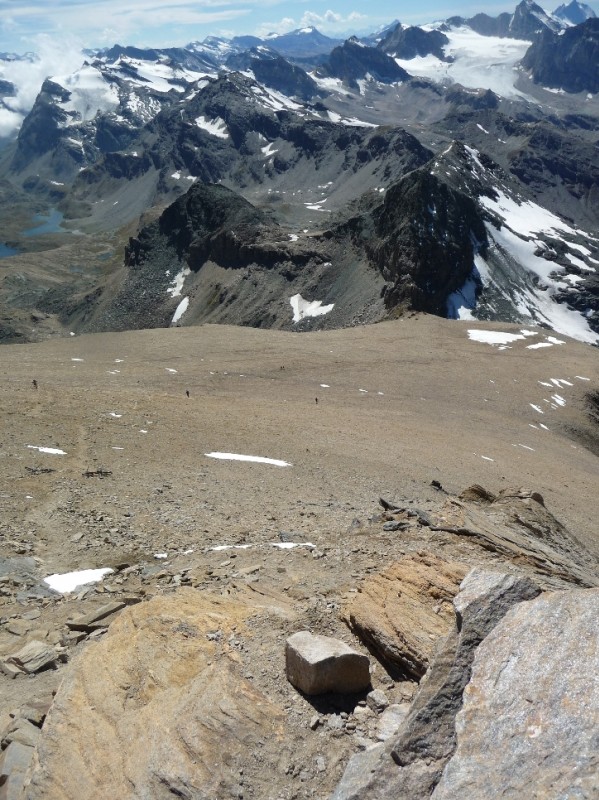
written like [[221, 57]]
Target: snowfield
[[478, 62]]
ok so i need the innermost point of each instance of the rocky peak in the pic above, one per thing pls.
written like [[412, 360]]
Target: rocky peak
[[424, 221], [271, 69], [194, 223], [353, 61], [485, 24], [530, 19], [411, 42]]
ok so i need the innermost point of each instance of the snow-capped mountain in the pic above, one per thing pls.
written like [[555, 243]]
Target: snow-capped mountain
[[436, 168], [529, 20], [574, 12]]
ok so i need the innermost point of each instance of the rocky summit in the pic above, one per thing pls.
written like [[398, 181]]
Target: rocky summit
[[300, 393]]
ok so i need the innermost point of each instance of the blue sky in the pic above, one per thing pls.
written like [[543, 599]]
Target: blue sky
[[99, 23]]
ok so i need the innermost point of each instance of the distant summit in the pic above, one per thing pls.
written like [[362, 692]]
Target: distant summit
[[574, 13], [411, 42], [530, 19], [302, 43], [527, 22]]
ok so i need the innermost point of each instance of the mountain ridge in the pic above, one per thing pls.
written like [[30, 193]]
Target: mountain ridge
[[319, 149]]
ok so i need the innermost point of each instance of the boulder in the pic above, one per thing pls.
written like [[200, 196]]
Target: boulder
[[411, 763], [532, 705], [319, 664], [403, 612]]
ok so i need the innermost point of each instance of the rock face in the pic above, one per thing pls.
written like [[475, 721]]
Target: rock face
[[531, 679], [569, 61], [424, 221], [146, 711], [403, 612], [516, 524], [273, 70], [321, 664], [485, 24], [412, 762], [530, 19]]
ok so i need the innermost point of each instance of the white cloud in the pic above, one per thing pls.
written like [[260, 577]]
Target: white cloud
[[55, 55], [9, 123], [329, 22], [133, 22], [283, 26]]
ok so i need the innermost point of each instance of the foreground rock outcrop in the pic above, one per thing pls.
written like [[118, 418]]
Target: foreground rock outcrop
[[403, 612], [412, 763], [145, 712], [533, 701]]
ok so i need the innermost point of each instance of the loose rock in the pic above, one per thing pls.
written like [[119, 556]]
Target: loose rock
[[319, 664]]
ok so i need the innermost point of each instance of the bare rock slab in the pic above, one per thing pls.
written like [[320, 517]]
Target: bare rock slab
[[156, 709], [533, 701], [403, 612], [319, 664]]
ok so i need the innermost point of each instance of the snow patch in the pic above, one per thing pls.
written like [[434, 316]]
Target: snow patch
[[53, 451], [89, 93], [305, 308], [180, 310], [69, 581], [254, 459], [291, 545], [216, 127], [494, 337]]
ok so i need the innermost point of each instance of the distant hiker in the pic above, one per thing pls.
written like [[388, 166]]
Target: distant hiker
[[34, 383], [187, 392], [316, 398]]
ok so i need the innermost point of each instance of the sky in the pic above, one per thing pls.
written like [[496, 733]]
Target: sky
[[162, 23]]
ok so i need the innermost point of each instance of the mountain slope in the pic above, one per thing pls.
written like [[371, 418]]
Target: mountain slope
[[407, 43]]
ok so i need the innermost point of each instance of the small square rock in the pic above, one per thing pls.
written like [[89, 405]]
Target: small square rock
[[319, 664]]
